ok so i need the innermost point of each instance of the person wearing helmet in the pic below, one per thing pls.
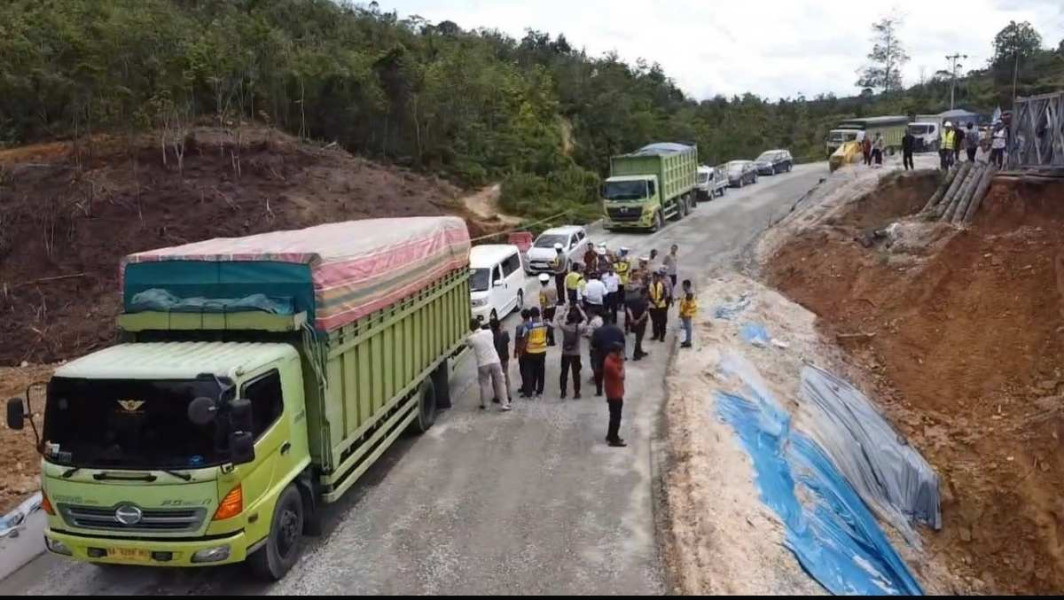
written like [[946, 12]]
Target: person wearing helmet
[[548, 303], [560, 268], [949, 144], [623, 269]]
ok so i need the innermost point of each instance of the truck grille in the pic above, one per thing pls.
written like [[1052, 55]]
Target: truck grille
[[623, 213], [151, 519]]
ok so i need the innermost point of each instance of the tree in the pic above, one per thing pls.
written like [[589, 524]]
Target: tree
[[887, 57], [1014, 43]]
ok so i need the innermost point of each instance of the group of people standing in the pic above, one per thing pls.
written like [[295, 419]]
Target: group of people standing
[[584, 303]]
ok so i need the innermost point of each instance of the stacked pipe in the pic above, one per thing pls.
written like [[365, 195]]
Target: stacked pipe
[[961, 193]]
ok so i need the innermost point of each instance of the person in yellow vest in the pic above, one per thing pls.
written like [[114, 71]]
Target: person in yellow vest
[[688, 311], [949, 144], [558, 267], [574, 284], [659, 305], [536, 354]]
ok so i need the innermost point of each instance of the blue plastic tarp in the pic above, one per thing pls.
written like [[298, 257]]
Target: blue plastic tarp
[[756, 334], [730, 310], [828, 527]]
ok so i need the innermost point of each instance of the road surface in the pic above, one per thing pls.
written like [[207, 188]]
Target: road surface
[[527, 502]]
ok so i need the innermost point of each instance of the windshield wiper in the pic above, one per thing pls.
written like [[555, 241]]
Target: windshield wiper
[[148, 477], [179, 475]]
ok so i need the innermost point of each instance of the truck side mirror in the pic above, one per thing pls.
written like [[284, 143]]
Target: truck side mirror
[[16, 414], [241, 447], [240, 415]]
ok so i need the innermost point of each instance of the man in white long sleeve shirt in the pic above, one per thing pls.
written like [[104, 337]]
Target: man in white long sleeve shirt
[[613, 286], [489, 368]]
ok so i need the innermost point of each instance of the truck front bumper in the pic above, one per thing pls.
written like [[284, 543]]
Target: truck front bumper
[[153, 553]]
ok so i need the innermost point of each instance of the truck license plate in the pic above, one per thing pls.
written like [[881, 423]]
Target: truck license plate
[[130, 554]]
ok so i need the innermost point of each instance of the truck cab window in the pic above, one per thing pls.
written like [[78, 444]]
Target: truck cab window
[[267, 401]]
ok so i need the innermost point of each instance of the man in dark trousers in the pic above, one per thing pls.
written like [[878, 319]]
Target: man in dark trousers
[[502, 347], [659, 306], [560, 268], [908, 142], [613, 369], [520, 343], [536, 354], [958, 144], [602, 339], [637, 313]]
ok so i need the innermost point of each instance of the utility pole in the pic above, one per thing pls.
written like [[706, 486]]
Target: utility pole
[[954, 61]]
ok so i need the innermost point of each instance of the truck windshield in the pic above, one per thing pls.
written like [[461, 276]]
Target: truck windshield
[[703, 176], [625, 190], [480, 280], [842, 136], [130, 424]]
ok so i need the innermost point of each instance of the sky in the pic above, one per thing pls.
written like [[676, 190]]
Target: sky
[[772, 48]]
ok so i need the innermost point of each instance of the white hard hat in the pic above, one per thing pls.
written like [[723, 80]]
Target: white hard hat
[[600, 250], [558, 247], [947, 124], [544, 277], [624, 250]]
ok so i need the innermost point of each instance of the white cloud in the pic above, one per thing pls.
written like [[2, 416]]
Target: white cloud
[[772, 48]]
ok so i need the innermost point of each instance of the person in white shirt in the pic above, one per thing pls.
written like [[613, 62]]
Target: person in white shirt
[[594, 295], [612, 282], [489, 368]]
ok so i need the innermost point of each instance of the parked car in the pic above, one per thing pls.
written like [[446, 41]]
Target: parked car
[[741, 172], [774, 161], [573, 239], [497, 281], [710, 182]]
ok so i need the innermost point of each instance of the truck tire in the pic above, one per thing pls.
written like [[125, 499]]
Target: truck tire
[[441, 383], [426, 408], [681, 208], [279, 554], [659, 222], [693, 202]]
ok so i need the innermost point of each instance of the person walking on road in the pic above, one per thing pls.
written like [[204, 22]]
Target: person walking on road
[[603, 338], [613, 370], [997, 145], [971, 141], [559, 267], [669, 262], [573, 328], [502, 348], [489, 367], [637, 312], [877, 149], [548, 303], [659, 306], [520, 346], [536, 351], [652, 260], [574, 284], [908, 143], [612, 281], [688, 311]]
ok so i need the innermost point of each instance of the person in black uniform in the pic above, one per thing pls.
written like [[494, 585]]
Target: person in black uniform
[[637, 313]]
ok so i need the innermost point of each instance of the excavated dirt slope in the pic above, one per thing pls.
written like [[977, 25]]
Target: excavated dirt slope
[[64, 228], [963, 333]]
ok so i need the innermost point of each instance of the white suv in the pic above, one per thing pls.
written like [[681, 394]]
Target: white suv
[[573, 239]]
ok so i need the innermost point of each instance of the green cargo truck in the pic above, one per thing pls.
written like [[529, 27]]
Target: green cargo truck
[[255, 379], [650, 185], [891, 128]]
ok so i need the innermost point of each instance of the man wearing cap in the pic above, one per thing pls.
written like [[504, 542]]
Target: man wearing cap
[[548, 302], [623, 268], [659, 305], [558, 267]]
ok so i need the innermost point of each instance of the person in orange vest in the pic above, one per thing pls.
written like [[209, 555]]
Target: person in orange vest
[[659, 305], [536, 354]]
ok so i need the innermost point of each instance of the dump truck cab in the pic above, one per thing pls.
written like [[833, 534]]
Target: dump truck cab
[[141, 450], [633, 200], [654, 183]]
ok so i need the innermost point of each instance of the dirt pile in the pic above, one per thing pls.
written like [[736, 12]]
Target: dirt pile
[[66, 221], [19, 461], [963, 334]]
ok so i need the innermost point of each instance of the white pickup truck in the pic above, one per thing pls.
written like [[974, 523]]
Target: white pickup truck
[[710, 182]]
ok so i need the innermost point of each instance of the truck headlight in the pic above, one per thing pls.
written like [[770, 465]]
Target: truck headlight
[[479, 303], [57, 546], [208, 555]]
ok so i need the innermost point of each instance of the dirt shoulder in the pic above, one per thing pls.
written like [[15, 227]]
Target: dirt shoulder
[[19, 461], [960, 334]]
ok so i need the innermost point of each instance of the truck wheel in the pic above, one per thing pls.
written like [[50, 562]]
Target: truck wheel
[[693, 202], [426, 408], [659, 222], [441, 384], [272, 561]]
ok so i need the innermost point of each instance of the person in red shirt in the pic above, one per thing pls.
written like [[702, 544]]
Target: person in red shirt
[[613, 374]]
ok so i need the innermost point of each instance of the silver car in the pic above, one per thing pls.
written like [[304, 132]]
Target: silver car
[[741, 172]]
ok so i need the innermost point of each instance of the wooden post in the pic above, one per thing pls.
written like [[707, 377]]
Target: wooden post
[[966, 189], [941, 191], [980, 193], [958, 181], [969, 193]]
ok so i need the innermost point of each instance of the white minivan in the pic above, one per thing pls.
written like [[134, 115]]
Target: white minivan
[[497, 282]]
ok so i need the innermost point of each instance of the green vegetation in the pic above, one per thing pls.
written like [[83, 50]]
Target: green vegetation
[[478, 106]]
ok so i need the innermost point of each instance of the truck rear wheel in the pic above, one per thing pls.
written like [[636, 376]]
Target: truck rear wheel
[[273, 561], [426, 408]]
